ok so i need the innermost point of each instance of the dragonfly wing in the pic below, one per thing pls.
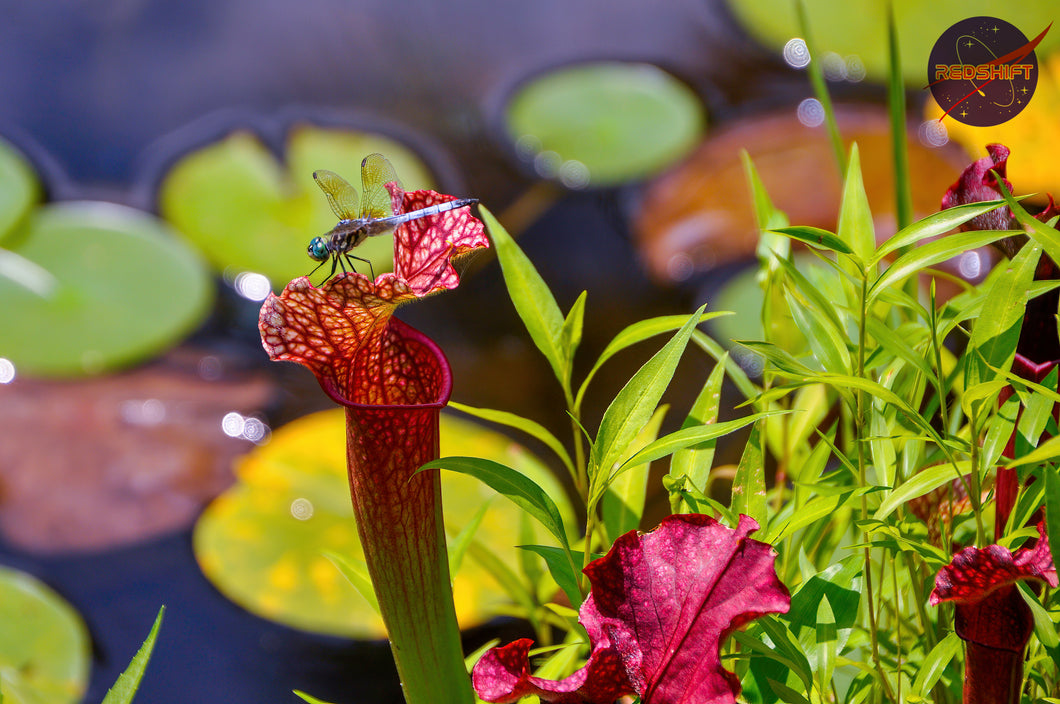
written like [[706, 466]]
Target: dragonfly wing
[[376, 172], [341, 195]]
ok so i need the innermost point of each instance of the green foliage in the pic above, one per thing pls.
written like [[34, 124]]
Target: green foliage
[[128, 682], [867, 430]]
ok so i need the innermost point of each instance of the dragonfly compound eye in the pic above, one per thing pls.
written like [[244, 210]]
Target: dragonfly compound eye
[[318, 249]]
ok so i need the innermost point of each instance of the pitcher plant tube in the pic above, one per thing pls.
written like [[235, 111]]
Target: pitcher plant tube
[[392, 381]]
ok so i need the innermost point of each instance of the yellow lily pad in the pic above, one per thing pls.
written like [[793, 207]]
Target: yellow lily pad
[[248, 212], [263, 542], [44, 644]]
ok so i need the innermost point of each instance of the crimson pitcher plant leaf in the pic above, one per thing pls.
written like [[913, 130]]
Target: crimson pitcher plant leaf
[[660, 606]]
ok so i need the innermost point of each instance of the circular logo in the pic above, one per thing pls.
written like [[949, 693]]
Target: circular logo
[[982, 71]]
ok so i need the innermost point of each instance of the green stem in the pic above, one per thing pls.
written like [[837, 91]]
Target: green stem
[[859, 430]]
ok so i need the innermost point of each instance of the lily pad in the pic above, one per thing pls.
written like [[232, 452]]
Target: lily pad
[[89, 286], [263, 542], [44, 645], [19, 189], [604, 123], [859, 29], [248, 212]]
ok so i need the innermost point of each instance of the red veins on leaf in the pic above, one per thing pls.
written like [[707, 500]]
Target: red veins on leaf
[[660, 606], [342, 331]]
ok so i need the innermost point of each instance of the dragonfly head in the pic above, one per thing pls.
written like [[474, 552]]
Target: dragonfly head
[[318, 249]]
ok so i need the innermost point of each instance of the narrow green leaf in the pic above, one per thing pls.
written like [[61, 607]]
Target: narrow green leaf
[[938, 223], [1048, 238], [855, 218], [688, 437], [841, 381], [815, 237], [623, 502], [518, 488], [927, 480], [638, 332], [695, 462], [815, 509], [996, 332], [935, 662], [532, 298], [770, 247], [732, 367], [308, 697], [636, 402], [781, 359], [517, 588], [129, 681], [827, 344], [457, 546], [786, 643], [526, 425], [356, 573], [1044, 627], [785, 693], [999, 430], [571, 334], [932, 253], [749, 484], [561, 570], [1052, 509], [826, 645]]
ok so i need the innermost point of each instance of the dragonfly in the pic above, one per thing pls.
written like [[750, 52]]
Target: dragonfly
[[374, 217]]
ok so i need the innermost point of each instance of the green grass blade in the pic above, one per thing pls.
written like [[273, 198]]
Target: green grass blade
[[749, 484], [815, 237], [996, 332], [820, 89], [356, 573], [532, 298], [903, 192], [517, 487], [695, 462], [530, 427], [622, 505], [635, 403], [932, 253], [855, 218], [129, 681], [935, 225], [632, 334]]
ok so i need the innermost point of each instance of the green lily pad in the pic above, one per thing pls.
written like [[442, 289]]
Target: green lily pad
[[604, 123], [247, 212], [859, 29], [44, 645], [19, 189], [91, 286], [263, 542]]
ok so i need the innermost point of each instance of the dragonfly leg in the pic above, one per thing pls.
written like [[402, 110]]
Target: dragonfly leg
[[360, 259]]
